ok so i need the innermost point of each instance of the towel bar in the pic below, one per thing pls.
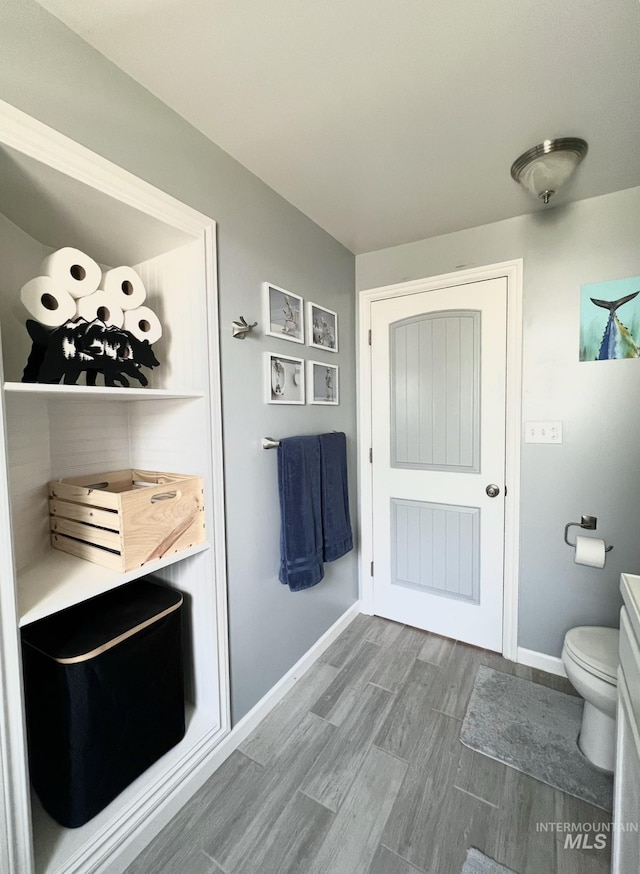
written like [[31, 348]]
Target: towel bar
[[270, 443]]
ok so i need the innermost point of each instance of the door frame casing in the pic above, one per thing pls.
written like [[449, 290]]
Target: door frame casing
[[512, 271]]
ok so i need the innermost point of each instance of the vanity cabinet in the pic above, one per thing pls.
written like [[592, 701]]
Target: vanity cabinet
[[626, 809], [55, 193]]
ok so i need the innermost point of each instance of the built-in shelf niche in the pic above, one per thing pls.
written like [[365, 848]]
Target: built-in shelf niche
[[50, 436], [54, 193], [44, 209]]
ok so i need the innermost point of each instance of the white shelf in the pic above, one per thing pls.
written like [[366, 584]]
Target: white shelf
[[60, 580], [101, 392], [55, 846]]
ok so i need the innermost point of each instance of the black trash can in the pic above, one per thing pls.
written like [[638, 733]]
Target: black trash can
[[104, 695]]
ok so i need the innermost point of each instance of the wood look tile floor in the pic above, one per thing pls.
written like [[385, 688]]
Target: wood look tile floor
[[360, 770]]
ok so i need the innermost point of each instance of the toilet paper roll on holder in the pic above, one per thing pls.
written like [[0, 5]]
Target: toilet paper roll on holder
[[588, 522]]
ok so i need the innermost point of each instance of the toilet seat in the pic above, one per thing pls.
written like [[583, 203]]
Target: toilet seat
[[596, 650]]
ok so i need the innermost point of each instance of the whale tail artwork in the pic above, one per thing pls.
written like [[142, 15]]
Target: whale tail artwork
[[617, 341]]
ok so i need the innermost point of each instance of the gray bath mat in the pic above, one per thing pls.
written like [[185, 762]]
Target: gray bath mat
[[535, 730], [477, 863]]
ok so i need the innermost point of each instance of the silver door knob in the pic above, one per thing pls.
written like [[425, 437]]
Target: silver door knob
[[492, 490]]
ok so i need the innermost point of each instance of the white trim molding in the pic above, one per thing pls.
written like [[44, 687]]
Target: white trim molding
[[513, 272], [541, 661], [35, 139], [266, 704], [16, 846]]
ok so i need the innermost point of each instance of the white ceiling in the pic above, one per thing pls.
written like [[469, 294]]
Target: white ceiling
[[388, 121]]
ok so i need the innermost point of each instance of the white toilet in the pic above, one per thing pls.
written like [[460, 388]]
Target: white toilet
[[590, 657]]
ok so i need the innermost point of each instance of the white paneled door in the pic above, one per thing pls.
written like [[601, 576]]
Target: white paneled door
[[438, 437]]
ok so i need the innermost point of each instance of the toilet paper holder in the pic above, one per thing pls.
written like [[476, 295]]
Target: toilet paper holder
[[588, 522]]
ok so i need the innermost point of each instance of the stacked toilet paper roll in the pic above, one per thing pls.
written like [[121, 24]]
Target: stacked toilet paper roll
[[100, 305], [73, 271], [72, 284], [124, 287], [590, 551], [64, 277], [121, 289], [143, 323], [47, 301]]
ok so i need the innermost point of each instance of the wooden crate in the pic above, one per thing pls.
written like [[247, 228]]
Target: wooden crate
[[126, 518]]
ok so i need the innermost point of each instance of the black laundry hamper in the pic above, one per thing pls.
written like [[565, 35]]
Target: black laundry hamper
[[104, 695]]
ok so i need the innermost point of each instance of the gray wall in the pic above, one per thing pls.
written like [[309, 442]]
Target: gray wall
[[596, 470], [54, 76]]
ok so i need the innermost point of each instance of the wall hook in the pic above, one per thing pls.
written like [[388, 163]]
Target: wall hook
[[590, 523], [241, 328]]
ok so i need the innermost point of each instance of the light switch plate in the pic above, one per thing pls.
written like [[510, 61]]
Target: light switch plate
[[543, 432]]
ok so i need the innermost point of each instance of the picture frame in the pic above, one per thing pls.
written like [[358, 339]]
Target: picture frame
[[322, 327], [323, 383], [283, 313], [284, 379], [610, 320]]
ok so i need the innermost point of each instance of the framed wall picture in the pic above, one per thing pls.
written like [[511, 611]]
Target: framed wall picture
[[283, 313], [322, 327], [610, 320], [284, 379], [322, 383]]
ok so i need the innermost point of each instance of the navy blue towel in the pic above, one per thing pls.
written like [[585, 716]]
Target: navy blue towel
[[299, 488], [336, 522]]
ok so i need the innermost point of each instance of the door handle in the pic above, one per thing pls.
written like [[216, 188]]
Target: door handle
[[492, 490]]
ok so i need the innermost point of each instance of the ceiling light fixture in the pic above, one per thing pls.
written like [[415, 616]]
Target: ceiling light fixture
[[544, 169]]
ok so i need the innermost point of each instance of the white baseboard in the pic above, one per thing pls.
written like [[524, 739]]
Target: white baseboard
[[167, 809], [248, 722], [541, 661]]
